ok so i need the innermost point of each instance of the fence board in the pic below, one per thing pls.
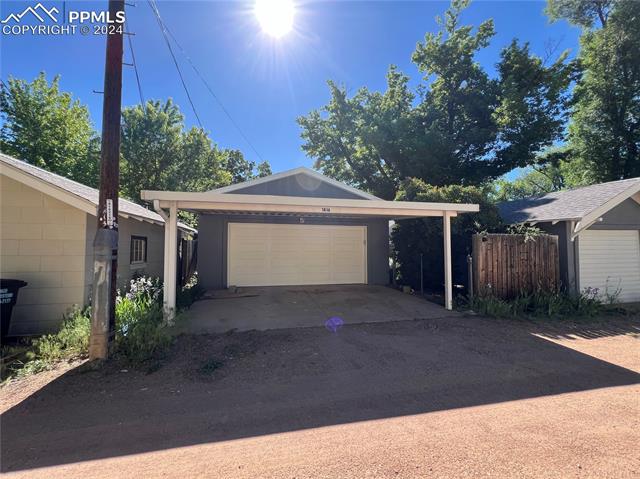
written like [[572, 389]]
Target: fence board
[[507, 265]]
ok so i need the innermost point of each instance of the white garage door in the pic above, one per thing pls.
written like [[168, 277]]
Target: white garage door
[[611, 260], [279, 255]]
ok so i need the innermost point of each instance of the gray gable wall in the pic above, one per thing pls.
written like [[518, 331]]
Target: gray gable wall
[[298, 185], [624, 216]]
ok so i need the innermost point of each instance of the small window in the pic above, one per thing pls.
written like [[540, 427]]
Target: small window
[[138, 249]]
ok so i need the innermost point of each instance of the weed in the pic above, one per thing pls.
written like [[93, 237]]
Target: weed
[[540, 304]]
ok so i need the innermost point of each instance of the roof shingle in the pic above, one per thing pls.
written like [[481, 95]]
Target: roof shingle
[[564, 205]]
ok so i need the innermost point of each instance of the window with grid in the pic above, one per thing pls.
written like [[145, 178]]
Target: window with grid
[[138, 249]]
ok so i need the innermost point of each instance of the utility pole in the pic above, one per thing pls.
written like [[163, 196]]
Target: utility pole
[[105, 244]]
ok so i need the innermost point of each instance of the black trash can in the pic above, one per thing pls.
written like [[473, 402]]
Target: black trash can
[[8, 296]]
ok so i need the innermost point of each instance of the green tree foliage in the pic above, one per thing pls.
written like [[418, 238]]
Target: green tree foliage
[[604, 133], [48, 128], [580, 12], [458, 126], [158, 153], [263, 169], [242, 169], [535, 182], [424, 236]]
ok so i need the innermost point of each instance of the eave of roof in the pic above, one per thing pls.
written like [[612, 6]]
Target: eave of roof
[[226, 202], [73, 193], [587, 204]]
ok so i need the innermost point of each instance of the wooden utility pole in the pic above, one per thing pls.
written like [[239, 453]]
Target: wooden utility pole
[[105, 245]]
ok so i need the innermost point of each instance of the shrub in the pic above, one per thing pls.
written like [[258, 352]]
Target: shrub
[[190, 292], [411, 237], [33, 356], [72, 339], [141, 333], [540, 304]]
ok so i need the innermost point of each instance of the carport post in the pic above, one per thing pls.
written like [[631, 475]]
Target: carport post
[[170, 263], [448, 282]]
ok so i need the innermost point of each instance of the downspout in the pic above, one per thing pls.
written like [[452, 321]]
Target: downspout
[[160, 211]]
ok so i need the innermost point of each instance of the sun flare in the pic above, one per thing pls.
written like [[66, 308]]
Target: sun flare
[[275, 16]]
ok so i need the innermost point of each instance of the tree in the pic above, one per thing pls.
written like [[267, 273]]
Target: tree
[[580, 12], [158, 154], [535, 182], [263, 169], [242, 169], [459, 126], [48, 128], [604, 132], [413, 237]]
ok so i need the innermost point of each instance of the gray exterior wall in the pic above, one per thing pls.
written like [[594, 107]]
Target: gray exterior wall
[[298, 185], [625, 216], [212, 244], [127, 227], [567, 252]]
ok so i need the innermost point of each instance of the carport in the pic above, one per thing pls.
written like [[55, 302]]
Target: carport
[[168, 203]]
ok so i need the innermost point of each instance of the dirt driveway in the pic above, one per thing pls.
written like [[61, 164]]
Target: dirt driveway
[[454, 397]]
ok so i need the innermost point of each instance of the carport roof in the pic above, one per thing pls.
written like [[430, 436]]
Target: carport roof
[[269, 204]]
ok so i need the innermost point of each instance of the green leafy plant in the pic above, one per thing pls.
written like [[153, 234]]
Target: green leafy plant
[[540, 304], [141, 333], [189, 293], [529, 232], [71, 341]]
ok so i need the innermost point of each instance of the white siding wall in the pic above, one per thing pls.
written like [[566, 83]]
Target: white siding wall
[[42, 242], [610, 261]]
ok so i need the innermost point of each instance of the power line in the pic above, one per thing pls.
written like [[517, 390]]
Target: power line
[[135, 67], [154, 7], [206, 84]]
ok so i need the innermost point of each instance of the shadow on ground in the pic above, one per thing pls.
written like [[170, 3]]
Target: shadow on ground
[[587, 329], [222, 387]]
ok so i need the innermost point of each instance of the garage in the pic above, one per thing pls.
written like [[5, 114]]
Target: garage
[[263, 254], [610, 260], [293, 228]]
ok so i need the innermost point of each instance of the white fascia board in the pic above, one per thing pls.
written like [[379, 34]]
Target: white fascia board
[[587, 220], [295, 204], [295, 171]]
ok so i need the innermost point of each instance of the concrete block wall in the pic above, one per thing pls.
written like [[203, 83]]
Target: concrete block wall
[[42, 241]]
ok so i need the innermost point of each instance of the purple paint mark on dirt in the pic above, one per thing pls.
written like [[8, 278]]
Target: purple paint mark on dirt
[[333, 324]]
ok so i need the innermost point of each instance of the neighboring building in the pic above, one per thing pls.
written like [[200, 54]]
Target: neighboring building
[[48, 224], [598, 228], [297, 227]]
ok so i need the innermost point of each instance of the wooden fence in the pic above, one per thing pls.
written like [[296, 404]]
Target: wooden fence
[[506, 265]]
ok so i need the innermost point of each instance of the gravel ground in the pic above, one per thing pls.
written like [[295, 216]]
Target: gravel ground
[[463, 397]]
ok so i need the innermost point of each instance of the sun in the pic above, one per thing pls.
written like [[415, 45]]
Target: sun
[[275, 16]]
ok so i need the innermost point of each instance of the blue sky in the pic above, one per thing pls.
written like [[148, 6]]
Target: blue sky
[[264, 83]]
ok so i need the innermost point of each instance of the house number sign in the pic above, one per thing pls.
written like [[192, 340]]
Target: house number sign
[[326, 210]]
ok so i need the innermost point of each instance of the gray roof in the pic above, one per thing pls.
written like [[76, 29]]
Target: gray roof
[[82, 191], [565, 205]]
